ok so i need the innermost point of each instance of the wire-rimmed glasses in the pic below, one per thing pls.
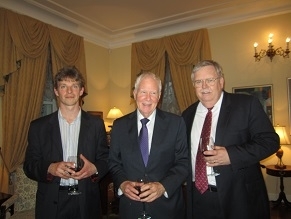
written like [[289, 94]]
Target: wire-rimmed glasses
[[208, 81]]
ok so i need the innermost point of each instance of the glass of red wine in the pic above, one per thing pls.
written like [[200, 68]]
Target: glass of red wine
[[205, 147], [78, 163], [144, 214]]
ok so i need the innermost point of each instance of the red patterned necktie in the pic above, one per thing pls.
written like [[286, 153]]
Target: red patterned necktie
[[201, 181]]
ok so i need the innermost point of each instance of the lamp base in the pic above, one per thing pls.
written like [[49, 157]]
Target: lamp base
[[280, 166]]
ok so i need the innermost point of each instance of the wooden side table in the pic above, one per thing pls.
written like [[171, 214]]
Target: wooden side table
[[3, 198], [272, 171]]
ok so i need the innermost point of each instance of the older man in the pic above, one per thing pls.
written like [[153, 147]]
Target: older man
[[165, 164]]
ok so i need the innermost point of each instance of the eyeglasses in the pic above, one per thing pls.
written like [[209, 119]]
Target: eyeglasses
[[208, 81]]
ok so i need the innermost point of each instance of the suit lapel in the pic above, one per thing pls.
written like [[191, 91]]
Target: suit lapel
[[132, 128], [223, 118], [159, 130], [55, 133], [133, 137], [84, 130]]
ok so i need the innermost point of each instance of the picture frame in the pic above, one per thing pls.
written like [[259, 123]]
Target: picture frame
[[289, 101], [264, 93], [96, 113]]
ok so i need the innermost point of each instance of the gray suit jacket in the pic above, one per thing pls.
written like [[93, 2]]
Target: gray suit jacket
[[248, 135], [167, 163], [45, 147]]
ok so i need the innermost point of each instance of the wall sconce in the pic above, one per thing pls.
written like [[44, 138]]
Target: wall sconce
[[113, 114], [284, 140], [271, 52]]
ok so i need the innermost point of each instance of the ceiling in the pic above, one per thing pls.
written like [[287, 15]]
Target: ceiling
[[116, 23]]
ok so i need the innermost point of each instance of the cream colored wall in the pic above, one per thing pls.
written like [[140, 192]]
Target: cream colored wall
[[232, 46], [120, 77], [108, 80]]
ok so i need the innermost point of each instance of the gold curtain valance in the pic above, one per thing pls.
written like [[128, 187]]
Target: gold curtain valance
[[184, 50], [188, 48], [23, 36], [148, 56], [30, 36]]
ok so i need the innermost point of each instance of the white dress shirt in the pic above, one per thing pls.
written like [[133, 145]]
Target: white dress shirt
[[196, 132]]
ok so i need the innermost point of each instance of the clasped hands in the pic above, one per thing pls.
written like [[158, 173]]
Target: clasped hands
[[148, 191], [216, 157], [65, 169]]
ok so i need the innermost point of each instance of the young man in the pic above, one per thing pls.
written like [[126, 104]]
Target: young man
[[52, 139]]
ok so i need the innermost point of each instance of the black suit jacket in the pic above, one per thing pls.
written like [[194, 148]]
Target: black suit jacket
[[45, 147], [248, 135], [167, 163]]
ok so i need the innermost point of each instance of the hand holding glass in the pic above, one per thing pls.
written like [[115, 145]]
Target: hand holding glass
[[209, 146], [143, 215], [78, 163]]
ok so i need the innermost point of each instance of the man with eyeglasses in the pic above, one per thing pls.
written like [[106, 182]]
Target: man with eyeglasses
[[227, 181]]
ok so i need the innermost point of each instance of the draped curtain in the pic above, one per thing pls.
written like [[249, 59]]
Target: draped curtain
[[148, 56], [29, 42], [184, 50]]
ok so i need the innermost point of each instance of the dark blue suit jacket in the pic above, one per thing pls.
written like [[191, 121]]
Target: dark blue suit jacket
[[248, 135], [167, 163], [45, 147]]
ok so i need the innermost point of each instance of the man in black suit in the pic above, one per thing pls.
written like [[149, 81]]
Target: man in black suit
[[52, 139], [167, 165], [243, 136]]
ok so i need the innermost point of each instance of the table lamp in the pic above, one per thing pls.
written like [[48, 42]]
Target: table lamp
[[284, 140], [113, 114]]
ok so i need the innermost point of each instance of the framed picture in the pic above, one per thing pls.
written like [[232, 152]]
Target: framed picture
[[289, 100], [96, 113], [264, 93]]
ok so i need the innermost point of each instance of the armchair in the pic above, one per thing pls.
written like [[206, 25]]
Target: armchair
[[23, 198]]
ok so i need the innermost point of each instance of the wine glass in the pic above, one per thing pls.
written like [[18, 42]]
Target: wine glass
[[143, 214], [78, 164], [209, 146]]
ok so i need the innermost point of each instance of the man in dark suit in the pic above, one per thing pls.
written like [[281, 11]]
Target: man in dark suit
[[243, 136], [52, 139], [167, 165]]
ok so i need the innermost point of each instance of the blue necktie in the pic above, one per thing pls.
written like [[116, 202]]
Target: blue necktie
[[144, 140]]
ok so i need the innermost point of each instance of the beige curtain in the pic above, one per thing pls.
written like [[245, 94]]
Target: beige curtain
[[67, 49], [26, 39], [148, 56], [184, 51]]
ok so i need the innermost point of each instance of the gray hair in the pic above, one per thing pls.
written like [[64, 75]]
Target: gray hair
[[205, 63], [148, 74]]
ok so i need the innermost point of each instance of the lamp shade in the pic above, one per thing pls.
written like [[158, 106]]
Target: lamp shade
[[114, 113], [281, 131]]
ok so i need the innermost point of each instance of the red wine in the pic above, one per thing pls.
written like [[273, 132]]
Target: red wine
[[138, 189]]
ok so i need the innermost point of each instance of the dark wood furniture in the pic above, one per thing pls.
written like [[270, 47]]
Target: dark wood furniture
[[106, 181], [3, 198], [282, 173]]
